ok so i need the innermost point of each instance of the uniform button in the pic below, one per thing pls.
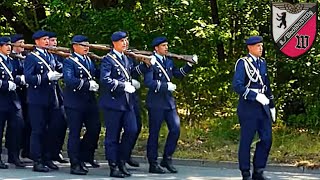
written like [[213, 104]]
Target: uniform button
[[74, 90], [49, 83], [35, 86]]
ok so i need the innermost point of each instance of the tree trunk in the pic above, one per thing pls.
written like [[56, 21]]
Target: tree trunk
[[215, 20]]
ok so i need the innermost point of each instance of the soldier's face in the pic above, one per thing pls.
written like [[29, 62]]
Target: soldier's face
[[162, 49], [5, 49], [42, 42], [53, 41], [121, 45], [81, 49], [18, 49], [256, 49]]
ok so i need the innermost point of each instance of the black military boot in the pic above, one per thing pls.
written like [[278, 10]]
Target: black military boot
[[133, 163], [77, 169], [3, 165], [84, 167], [246, 175], [167, 163], [51, 165], [60, 159], [94, 163], [123, 168], [38, 166], [14, 159], [114, 172], [258, 175], [155, 168]]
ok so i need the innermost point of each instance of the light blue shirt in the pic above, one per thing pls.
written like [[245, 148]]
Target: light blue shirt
[[118, 53]]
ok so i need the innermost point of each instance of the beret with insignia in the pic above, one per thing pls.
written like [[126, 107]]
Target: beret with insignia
[[158, 40], [116, 36], [254, 40]]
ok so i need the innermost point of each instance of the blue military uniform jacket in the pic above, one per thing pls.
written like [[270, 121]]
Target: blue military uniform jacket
[[17, 62], [8, 99], [76, 91], [247, 78], [158, 95], [112, 79], [40, 90]]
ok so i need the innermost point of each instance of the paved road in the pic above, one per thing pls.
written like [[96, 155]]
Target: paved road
[[185, 172]]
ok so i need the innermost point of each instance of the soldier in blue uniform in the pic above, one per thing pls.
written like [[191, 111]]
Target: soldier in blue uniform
[[117, 103], [256, 109], [161, 105], [10, 105], [81, 106], [17, 64], [43, 103], [60, 126], [136, 103]]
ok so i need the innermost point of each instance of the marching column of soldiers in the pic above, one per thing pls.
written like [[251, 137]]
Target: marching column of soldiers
[[35, 111]]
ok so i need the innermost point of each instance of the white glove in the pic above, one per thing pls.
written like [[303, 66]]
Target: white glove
[[171, 87], [273, 114], [136, 84], [261, 98], [22, 80], [54, 75], [129, 88], [12, 86], [153, 60], [93, 86], [195, 59]]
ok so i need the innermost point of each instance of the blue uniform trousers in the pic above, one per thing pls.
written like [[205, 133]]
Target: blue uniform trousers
[[156, 117], [253, 119], [80, 150], [43, 124], [136, 109], [58, 128], [117, 148], [14, 120]]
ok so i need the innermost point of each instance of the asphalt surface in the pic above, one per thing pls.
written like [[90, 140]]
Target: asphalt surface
[[185, 172]]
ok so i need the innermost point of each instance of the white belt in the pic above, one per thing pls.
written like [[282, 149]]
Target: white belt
[[255, 90]]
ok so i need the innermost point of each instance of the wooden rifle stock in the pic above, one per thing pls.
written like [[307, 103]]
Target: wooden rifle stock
[[139, 57], [188, 58]]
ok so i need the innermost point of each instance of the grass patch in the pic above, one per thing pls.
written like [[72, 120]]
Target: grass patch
[[217, 139]]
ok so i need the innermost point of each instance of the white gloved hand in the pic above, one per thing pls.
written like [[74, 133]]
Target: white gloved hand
[[93, 86], [153, 60], [22, 80], [12, 86], [54, 75], [195, 59], [129, 88], [171, 87], [58, 75], [136, 84], [51, 75], [261, 98], [273, 114]]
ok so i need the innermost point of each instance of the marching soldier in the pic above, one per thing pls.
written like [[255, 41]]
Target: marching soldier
[[17, 64], [43, 104], [136, 104], [60, 126], [251, 82], [10, 105], [117, 103], [81, 106], [161, 105]]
